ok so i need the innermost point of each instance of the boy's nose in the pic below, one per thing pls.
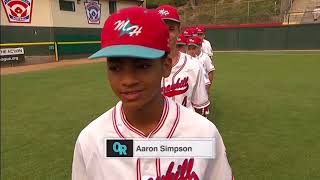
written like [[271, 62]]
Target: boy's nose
[[129, 78]]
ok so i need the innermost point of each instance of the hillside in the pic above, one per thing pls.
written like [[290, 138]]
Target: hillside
[[224, 11]]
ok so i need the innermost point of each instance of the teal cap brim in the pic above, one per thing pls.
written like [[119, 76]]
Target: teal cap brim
[[134, 51]]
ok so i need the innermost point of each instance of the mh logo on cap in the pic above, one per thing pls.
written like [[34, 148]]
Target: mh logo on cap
[[126, 28], [163, 12]]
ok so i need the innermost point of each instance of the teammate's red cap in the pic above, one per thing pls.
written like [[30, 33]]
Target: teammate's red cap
[[134, 32], [182, 40], [168, 12], [200, 29], [193, 31], [186, 33], [195, 41]]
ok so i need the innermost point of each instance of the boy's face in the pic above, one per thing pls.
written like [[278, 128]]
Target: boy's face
[[193, 50], [137, 81], [201, 35], [174, 31], [182, 48]]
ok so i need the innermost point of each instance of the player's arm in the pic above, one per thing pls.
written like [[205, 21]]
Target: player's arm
[[210, 50], [78, 164], [199, 97], [209, 67], [211, 76], [219, 168]]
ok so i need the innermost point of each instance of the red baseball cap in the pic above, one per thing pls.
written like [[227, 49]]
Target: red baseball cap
[[168, 12], [134, 32], [182, 40], [195, 41], [193, 31], [200, 29], [187, 33]]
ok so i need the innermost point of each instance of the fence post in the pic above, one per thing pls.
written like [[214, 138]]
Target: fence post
[[56, 51]]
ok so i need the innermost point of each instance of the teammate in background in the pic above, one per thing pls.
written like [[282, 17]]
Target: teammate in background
[[185, 84], [206, 45], [193, 45], [194, 49], [182, 44], [137, 61]]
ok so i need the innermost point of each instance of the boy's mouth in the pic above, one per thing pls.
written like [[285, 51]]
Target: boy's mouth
[[131, 95]]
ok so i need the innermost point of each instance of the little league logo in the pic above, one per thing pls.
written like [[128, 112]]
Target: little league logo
[[93, 11], [18, 11]]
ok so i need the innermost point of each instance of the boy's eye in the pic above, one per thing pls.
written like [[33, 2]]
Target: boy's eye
[[143, 66], [172, 28]]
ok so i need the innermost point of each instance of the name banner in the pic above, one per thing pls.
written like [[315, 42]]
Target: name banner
[[162, 148]]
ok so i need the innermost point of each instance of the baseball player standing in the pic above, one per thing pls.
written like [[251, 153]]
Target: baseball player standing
[[135, 42], [182, 46], [206, 45], [194, 49], [185, 84]]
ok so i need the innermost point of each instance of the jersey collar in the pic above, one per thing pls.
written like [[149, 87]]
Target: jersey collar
[[165, 128]]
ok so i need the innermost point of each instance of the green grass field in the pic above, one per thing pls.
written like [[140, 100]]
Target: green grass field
[[266, 106]]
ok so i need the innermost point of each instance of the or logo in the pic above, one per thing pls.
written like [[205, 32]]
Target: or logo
[[18, 11], [163, 12], [93, 11], [183, 172], [125, 27], [119, 148], [177, 88]]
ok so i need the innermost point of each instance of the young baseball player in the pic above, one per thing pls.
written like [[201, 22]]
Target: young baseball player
[[193, 45], [194, 49], [185, 84], [182, 44], [135, 42], [206, 45]]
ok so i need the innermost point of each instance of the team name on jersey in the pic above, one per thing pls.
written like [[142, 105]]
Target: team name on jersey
[[184, 172], [177, 88]]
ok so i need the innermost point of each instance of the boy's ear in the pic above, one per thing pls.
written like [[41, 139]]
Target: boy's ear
[[166, 66]]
